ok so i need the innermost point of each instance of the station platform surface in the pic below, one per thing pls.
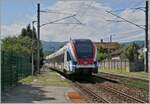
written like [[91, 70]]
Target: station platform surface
[[48, 87]]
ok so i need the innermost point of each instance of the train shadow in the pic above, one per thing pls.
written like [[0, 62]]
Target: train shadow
[[82, 78]]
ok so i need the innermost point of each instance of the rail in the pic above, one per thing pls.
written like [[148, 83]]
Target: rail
[[89, 91], [123, 94]]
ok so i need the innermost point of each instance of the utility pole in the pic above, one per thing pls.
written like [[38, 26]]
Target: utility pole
[[38, 37], [33, 47], [146, 37], [110, 38]]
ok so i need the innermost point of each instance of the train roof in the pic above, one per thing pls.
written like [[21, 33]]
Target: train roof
[[81, 40], [57, 53], [62, 50]]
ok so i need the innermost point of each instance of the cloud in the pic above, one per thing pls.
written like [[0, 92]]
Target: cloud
[[137, 17], [93, 16], [90, 13], [11, 30]]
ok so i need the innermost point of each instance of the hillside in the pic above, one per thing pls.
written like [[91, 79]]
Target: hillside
[[50, 47], [138, 42]]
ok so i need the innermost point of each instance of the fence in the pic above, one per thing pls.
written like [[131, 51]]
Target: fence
[[122, 65], [13, 68]]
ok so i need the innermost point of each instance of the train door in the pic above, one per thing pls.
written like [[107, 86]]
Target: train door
[[65, 61], [68, 61]]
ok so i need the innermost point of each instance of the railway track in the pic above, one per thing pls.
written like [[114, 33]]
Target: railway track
[[115, 91], [90, 93], [110, 79], [122, 94], [94, 96]]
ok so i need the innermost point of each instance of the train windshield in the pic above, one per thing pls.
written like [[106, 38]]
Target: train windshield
[[84, 49]]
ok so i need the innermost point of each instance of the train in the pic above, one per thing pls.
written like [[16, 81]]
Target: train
[[78, 56]]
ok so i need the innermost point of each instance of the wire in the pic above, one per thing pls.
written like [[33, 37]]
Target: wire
[[55, 22], [137, 8], [125, 20], [81, 15], [132, 37], [34, 6], [57, 12], [122, 33]]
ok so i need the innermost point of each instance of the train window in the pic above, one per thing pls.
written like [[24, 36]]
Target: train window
[[84, 49], [68, 56]]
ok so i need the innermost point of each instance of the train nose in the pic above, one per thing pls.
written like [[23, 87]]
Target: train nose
[[85, 61]]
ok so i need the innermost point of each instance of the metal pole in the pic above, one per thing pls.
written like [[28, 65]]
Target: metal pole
[[32, 48], [110, 38], [146, 37], [38, 42]]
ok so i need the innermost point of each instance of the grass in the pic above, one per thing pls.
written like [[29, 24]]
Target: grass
[[131, 83], [49, 78], [141, 75], [138, 84]]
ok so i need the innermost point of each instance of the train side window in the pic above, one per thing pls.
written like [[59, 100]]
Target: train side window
[[68, 56]]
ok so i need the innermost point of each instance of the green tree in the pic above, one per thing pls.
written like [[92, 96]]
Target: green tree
[[131, 52], [32, 35], [21, 45], [25, 43], [101, 54], [27, 31]]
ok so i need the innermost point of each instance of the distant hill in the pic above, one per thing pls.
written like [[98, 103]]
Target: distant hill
[[50, 47], [138, 42]]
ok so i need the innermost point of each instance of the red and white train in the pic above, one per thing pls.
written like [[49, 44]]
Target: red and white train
[[77, 56]]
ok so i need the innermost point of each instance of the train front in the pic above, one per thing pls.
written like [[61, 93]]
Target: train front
[[85, 54]]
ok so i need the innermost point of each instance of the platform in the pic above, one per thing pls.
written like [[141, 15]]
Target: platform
[[49, 87]]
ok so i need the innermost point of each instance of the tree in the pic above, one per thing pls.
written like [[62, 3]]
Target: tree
[[131, 52], [20, 45], [28, 32], [25, 43], [32, 35], [101, 54]]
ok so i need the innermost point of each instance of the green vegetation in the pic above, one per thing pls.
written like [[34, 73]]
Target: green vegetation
[[131, 83], [101, 54], [24, 44], [137, 84], [141, 75], [131, 52], [20, 45], [49, 78]]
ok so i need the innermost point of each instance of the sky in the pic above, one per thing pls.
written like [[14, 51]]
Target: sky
[[17, 14]]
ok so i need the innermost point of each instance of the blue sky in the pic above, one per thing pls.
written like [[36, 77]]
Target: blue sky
[[20, 10], [23, 11]]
